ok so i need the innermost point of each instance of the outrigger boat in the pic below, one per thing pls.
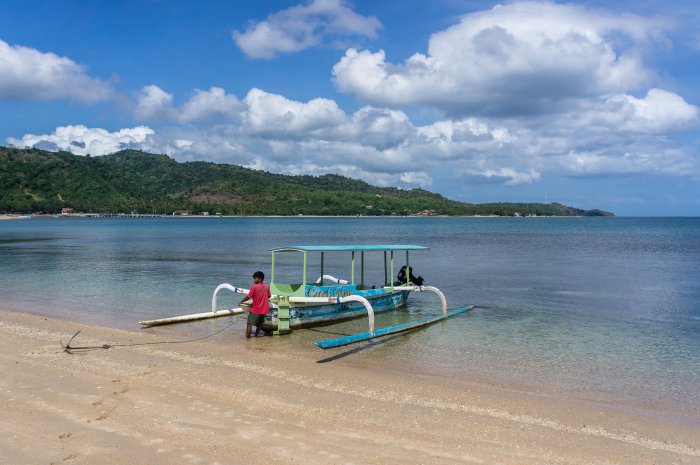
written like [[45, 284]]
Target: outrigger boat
[[329, 299]]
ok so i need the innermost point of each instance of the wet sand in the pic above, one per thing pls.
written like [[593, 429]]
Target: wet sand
[[213, 403]]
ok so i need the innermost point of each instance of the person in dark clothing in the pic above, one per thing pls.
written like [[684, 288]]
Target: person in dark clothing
[[401, 278]]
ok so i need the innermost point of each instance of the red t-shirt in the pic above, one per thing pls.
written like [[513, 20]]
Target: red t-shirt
[[260, 293]]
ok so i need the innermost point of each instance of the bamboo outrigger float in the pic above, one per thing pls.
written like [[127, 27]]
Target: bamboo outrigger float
[[309, 304]]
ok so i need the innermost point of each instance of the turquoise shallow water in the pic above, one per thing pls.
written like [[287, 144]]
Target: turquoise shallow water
[[601, 309]]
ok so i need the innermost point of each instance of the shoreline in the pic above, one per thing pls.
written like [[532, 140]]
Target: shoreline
[[247, 402], [147, 215]]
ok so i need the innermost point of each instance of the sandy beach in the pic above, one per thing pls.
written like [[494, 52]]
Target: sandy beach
[[206, 403]]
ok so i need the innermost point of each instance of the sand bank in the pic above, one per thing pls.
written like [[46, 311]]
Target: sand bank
[[204, 403]]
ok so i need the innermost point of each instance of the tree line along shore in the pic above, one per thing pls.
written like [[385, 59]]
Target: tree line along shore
[[132, 182]]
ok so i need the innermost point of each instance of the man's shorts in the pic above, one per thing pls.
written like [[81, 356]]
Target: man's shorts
[[256, 319]]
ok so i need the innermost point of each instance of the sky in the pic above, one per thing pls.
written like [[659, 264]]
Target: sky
[[593, 104]]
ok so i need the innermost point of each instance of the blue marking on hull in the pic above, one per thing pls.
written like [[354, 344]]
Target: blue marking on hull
[[310, 315]]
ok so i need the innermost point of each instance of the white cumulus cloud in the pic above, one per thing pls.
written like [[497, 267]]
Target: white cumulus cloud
[[29, 74], [155, 105], [506, 175], [378, 127], [520, 58], [416, 178], [277, 116], [210, 104], [304, 26], [658, 111]]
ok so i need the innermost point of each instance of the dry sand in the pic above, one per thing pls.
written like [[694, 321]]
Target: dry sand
[[206, 403]]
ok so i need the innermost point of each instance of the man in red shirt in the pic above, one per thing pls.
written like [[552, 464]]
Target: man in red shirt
[[260, 294]]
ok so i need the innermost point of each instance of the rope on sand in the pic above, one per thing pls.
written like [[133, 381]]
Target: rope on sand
[[70, 349]]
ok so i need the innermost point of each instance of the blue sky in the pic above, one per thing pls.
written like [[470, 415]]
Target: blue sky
[[592, 104]]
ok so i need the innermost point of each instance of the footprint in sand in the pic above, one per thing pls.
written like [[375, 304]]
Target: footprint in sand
[[65, 459], [104, 416], [65, 436], [122, 390]]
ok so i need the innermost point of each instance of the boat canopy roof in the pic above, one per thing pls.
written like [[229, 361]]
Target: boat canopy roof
[[346, 248]]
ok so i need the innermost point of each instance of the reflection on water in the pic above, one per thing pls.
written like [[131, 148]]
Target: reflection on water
[[599, 308]]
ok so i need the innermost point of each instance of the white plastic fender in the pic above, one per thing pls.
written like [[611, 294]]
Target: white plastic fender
[[332, 278], [235, 290], [443, 301], [341, 300]]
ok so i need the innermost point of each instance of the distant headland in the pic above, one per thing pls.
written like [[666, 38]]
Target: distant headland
[[140, 183]]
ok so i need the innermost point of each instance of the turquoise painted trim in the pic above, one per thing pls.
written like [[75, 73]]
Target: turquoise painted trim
[[345, 248], [333, 290], [343, 341], [302, 315]]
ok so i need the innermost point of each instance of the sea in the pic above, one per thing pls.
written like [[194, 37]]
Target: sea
[[599, 310]]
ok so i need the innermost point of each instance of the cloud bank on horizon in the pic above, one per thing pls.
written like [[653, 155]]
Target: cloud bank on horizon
[[509, 95]]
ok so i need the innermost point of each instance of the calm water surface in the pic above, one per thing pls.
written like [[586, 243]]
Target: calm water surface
[[602, 309]]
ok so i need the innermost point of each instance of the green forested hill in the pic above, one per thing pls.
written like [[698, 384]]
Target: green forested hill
[[33, 180]]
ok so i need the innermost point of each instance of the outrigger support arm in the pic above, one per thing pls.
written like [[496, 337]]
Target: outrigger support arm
[[235, 290], [443, 301], [341, 300], [330, 278]]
